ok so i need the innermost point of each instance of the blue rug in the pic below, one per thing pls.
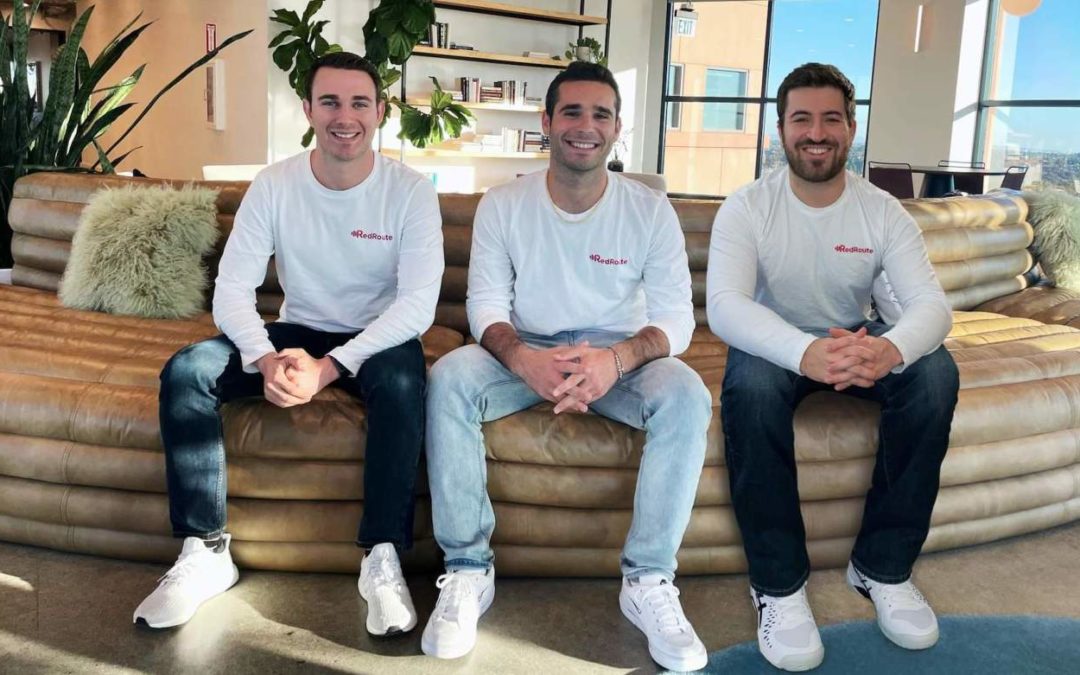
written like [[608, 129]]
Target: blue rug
[[1021, 645]]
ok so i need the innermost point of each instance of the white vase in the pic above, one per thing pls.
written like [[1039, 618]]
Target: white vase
[[583, 53]]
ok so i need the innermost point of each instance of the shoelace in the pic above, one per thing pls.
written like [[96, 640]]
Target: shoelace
[[386, 571], [790, 611], [663, 599], [180, 571], [455, 590], [901, 596]]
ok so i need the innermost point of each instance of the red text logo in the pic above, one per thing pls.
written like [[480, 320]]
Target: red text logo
[[597, 258], [360, 234], [840, 248]]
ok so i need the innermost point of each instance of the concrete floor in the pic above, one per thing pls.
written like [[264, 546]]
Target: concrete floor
[[62, 612]]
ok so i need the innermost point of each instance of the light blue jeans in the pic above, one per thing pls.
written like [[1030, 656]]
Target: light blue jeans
[[665, 398]]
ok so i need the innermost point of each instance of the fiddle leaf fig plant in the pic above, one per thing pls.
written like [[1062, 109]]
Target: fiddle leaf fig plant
[[392, 31]]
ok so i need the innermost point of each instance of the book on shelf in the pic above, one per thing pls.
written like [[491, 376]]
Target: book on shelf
[[439, 35], [536, 55]]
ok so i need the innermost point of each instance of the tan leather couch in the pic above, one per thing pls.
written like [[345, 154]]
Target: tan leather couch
[[81, 467]]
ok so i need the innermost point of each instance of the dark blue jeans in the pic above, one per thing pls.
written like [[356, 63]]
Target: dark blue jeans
[[758, 407], [198, 379]]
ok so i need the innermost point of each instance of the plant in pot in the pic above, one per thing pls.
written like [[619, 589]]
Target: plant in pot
[[392, 31], [620, 148], [586, 49], [78, 110]]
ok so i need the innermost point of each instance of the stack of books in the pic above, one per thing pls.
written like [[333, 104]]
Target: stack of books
[[508, 92]]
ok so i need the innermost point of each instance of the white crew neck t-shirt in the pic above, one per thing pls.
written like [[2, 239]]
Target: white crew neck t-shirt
[[619, 266], [369, 258], [781, 273]]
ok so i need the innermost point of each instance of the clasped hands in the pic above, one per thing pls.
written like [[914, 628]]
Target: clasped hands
[[849, 359], [569, 377], [293, 377]]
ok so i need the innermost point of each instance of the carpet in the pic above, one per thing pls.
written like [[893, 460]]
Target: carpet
[[1027, 645]]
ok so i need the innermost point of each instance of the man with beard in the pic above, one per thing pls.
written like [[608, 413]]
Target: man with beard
[[793, 262], [357, 244], [579, 294]]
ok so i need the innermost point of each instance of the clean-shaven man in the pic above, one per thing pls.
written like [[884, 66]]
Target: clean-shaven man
[[793, 262], [579, 294], [357, 242]]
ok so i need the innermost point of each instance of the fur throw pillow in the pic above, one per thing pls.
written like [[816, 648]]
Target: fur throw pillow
[[139, 250], [1055, 217]]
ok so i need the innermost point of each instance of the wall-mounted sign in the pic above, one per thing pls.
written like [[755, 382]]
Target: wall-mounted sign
[[211, 37]]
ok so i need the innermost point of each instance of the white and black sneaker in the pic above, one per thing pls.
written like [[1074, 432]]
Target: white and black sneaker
[[382, 585], [200, 573], [787, 633], [652, 604], [903, 614]]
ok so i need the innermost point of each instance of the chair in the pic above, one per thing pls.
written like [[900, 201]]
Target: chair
[[1014, 177], [894, 178], [654, 180]]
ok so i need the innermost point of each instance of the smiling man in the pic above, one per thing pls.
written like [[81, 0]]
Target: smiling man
[[579, 294], [356, 240], [794, 261]]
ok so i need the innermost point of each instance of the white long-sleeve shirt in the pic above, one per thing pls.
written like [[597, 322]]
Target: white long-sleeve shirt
[[619, 267], [368, 259], [782, 273]]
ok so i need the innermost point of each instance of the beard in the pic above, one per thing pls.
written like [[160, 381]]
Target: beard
[[816, 171]]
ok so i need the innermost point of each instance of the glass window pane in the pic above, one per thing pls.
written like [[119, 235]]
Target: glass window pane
[[840, 32], [728, 35], [674, 111], [1035, 55], [724, 116], [703, 162], [1047, 140], [772, 151]]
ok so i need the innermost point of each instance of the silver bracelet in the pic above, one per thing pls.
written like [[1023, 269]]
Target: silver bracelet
[[618, 363]]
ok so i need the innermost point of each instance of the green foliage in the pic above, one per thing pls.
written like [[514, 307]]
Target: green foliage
[[596, 52], [391, 32], [446, 119], [78, 110]]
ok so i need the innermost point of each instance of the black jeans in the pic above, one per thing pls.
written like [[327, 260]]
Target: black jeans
[[198, 379], [758, 407]]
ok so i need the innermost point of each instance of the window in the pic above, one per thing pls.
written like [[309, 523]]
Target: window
[[674, 88], [1029, 109], [723, 134], [721, 83]]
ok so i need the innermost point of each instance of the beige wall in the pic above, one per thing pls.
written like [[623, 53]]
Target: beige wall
[[914, 95], [175, 139]]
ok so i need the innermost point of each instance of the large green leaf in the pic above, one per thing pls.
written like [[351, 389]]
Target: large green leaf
[[312, 7], [286, 16], [61, 94]]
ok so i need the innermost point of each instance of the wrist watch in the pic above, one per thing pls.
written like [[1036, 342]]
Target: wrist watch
[[342, 370]]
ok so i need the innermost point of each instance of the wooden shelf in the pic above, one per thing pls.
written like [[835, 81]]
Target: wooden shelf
[[473, 105], [437, 152], [473, 55], [503, 9]]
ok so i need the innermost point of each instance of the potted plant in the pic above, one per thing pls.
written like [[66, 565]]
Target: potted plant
[[79, 108], [587, 49], [393, 29]]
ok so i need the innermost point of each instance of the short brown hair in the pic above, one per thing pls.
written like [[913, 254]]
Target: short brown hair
[[816, 75], [343, 61], [581, 71]]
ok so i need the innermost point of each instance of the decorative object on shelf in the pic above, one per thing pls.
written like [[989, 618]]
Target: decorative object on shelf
[[79, 108], [586, 49], [620, 147]]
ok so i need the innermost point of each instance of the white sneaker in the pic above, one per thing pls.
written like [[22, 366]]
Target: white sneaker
[[651, 603], [198, 575], [382, 586], [465, 596], [902, 612], [787, 633]]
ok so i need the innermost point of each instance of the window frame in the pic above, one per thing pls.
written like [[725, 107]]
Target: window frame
[[763, 101], [675, 106]]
